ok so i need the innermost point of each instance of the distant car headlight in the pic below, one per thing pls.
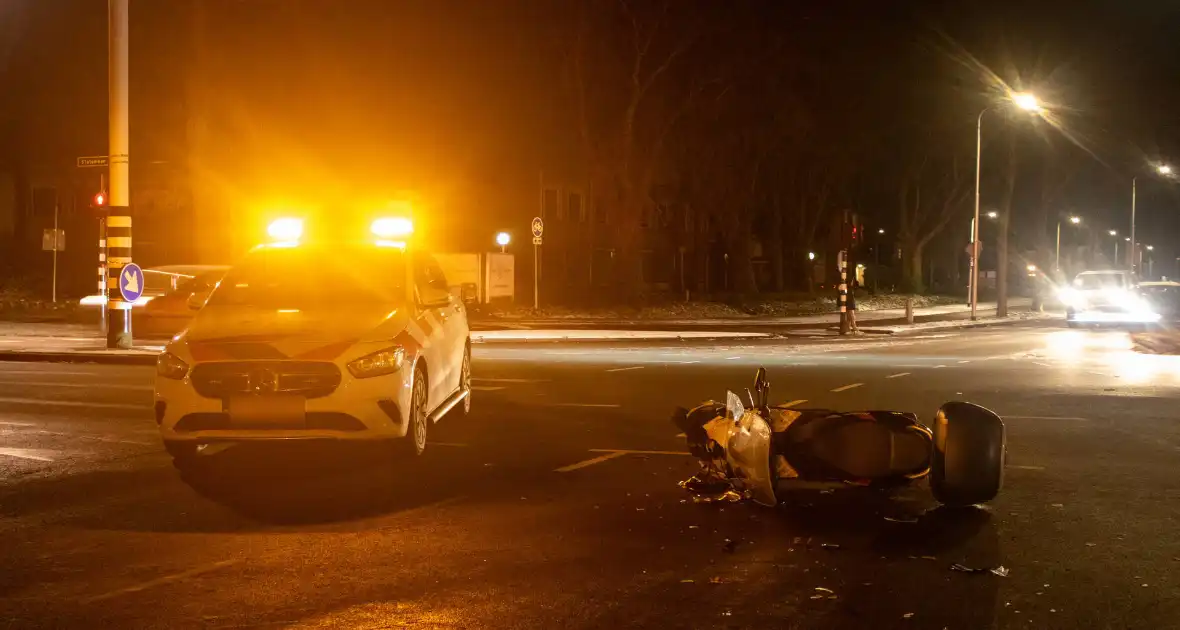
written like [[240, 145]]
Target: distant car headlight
[[170, 366], [380, 363]]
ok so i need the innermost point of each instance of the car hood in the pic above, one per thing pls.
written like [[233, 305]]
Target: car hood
[[243, 333]]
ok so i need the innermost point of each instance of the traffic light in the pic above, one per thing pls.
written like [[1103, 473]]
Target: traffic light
[[99, 200]]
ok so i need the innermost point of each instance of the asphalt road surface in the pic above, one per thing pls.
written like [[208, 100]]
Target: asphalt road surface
[[555, 503]]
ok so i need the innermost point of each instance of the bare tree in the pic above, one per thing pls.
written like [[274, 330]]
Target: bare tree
[[930, 194]]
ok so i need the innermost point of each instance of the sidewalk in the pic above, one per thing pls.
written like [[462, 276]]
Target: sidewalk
[[68, 343], [77, 343], [892, 317]]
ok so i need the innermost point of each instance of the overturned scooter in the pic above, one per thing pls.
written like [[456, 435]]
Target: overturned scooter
[[752, 451]]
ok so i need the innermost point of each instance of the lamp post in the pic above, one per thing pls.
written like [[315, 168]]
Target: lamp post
[[1150, 261], [1057, 260], [1162, 169], [1027, 102]]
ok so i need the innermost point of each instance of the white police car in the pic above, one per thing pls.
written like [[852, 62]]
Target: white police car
[[359, 341]]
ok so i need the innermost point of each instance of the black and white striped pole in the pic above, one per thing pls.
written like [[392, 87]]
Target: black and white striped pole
[[842, 259], [118, 227]]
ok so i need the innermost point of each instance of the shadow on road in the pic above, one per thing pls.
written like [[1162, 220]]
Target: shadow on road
[[299, 484]]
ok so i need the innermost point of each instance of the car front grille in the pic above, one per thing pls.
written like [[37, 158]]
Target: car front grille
[[310, 379]]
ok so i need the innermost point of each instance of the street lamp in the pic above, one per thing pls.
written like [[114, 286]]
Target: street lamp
[[503, 239], [1162, 169], [993, 214], [1027, 102], [1057, 260]]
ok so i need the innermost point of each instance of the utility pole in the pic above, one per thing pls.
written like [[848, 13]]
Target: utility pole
[[119, 219]]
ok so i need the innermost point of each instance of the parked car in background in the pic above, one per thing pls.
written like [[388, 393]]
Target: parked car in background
[[1164, 298], [168, 314]]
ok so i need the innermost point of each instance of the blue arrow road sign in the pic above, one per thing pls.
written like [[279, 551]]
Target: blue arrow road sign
[[131, 282]]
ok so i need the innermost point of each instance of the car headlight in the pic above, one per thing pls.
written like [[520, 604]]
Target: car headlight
[[379, 363], [170, 366]]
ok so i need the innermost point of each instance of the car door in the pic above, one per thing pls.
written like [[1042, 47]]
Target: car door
[[434, 307]]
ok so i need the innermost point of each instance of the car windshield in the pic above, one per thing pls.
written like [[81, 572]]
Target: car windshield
[[1089, 281], [306, 278]]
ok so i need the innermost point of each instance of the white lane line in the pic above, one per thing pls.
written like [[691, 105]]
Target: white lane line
[[17, 424], [487, 388], [71, 403], [687, 362], [103, 386], [1018, 467], [508, 380], [626, 369], [160, 581], [1044, 418], [449, 444], [964, 361], [1097, 373], [590, 462], [623, 451], [590, 405], [898, 375], [25, 453], [50, 373], [793, 403], [847, 387], [939, 366], [732, 358], [1042, 364]]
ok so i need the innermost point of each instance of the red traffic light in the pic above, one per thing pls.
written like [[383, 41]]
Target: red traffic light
[[100, 200]]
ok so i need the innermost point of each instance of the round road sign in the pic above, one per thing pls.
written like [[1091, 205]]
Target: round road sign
[[131, 282], [538, 227]]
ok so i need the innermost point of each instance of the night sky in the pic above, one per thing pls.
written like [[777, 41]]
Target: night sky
[[353, 97]]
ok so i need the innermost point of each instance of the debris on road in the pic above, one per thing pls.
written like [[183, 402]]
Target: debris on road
[[908, 616], [729, 546], [902, 519], [830, 546], [824, 590], [1000, 571]]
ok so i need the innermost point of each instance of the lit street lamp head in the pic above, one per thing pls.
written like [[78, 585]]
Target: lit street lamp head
[[1164, 169], [881, 231], [503, 238], [1114, 232], [993, 214], [1150, 247], [1075, 220], [1026, 101]]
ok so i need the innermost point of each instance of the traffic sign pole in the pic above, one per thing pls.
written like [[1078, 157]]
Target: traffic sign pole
[[538, 227], [119, 220]]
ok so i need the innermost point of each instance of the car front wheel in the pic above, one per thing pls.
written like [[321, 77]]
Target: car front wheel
[[419, 420]]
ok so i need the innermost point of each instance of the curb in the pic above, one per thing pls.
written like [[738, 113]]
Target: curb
[[97, 357]]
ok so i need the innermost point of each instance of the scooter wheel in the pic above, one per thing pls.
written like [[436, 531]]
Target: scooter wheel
[[967, 465]]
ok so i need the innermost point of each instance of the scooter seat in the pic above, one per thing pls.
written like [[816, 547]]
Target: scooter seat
[[855, 446]]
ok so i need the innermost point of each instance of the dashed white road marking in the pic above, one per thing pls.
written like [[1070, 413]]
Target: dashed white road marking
[[1006, 417], [939, 366], [161, 581], [1019, 467], [104, 386], [590, 462], [51, 373], [1042, 364], [487, 388], [17, 424], [732, 358], [793, 403], [508, 380], [1097, 373], [626, 369], [26, 453], [847, 387], [590, 405], [72, 403], [623, 451], [449, 444], [964, 361], [687, 362], [898, 375]]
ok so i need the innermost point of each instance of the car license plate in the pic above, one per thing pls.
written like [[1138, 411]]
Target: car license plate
[[267, 410]]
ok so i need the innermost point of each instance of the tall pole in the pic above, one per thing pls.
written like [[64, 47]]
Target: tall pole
[[1131, 249], [1057, 260], [56, 245], [975, 223], [119, 221]]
